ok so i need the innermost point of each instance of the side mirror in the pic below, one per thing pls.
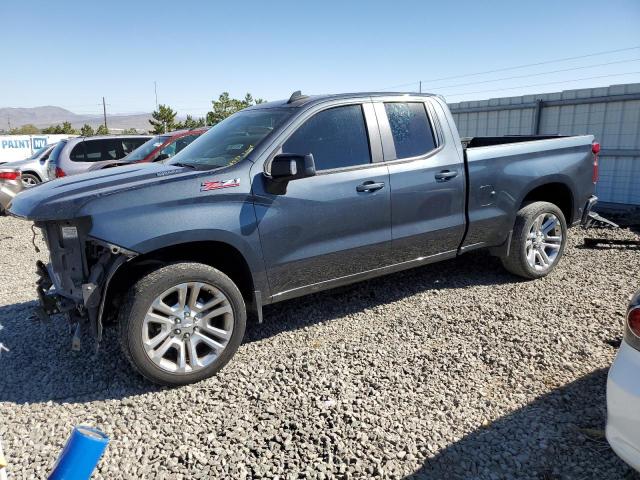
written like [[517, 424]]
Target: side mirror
[[286, 167]]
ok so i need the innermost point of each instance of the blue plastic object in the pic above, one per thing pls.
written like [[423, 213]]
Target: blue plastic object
[[80, 455]]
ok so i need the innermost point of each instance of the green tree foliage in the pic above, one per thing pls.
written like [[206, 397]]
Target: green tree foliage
[[164, 119], [65, 128], [68, 129], [87, 130], [129, 131], [28, 129], [226, 106], [102, 130], [190, 122]]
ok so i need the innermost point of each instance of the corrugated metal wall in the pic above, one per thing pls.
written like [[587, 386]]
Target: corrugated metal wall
[[612, 114]]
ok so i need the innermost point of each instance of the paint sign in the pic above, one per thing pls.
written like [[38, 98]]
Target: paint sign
[[19, 147]]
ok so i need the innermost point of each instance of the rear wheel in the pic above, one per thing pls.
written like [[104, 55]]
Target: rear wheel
[[538, 241], [182, 323], [29, 180]]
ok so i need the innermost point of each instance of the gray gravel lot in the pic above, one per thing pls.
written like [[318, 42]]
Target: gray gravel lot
[[455, 370]]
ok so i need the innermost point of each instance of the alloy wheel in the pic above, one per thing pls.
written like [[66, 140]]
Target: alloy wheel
[[187, 327], [544, 241], [28, 181]]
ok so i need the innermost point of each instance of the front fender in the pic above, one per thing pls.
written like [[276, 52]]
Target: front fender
[[144, 230]]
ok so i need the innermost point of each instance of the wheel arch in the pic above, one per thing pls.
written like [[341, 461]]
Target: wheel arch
[[220, 255], [555, 190], [32, 172]]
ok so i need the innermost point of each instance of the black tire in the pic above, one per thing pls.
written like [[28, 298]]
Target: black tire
[[26, 177], [138, 300], [516, 262]]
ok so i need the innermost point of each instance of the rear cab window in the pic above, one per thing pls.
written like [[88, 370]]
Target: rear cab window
[[336, 137], [411, 130]]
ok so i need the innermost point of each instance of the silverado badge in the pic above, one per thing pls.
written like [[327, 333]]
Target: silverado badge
[[217, 184]]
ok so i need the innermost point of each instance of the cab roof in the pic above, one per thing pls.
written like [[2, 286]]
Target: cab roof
[[297, 99]]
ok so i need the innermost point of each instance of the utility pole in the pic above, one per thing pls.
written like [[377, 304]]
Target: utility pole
[[155, 90], [420, 86], [104, 111], [9, 122]]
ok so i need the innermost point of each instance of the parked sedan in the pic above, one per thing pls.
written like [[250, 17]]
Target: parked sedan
[[10, 186], [623, 391], [34, 168]]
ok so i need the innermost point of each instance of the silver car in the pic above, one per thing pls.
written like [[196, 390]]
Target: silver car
[[10, 186], [34, 168], [78, 155]]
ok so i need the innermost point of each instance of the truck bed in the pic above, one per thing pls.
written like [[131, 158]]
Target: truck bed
[[500, 170]]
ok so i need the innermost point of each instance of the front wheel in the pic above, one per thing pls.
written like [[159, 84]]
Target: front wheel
[[539, 238], [182, 323]]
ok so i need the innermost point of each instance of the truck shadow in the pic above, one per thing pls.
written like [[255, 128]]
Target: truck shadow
[[41, 367], [537, 440], [474, 269]]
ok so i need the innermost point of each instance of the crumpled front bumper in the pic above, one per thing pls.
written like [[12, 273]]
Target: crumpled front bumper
[[76, 279]]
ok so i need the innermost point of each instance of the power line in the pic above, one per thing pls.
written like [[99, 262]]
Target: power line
[[538, 74], [541, 84], [546, 62]]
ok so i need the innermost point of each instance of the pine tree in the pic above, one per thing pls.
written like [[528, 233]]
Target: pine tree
[[164, 119], [87, 130]]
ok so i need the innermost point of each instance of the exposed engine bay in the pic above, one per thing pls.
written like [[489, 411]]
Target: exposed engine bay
[[74, 283]]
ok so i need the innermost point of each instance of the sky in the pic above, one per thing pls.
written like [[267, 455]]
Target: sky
[[72, 53]]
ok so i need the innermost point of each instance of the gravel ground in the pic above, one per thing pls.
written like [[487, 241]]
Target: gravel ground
[[455, 370]]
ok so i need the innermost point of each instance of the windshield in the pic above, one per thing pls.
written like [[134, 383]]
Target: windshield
[[231, 140], [146, 148], [38, 152]]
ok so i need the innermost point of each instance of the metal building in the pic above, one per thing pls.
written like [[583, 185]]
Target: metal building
[[612, 114]]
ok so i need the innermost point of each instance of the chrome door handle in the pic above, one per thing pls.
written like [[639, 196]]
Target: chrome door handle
[[445, 175], [369, 186]]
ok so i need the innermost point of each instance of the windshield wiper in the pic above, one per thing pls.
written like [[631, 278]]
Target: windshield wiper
[[188, 165]]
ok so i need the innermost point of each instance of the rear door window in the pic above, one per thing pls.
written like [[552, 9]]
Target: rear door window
[[97, 150], [337, 138], [410, 128], [78, 153]]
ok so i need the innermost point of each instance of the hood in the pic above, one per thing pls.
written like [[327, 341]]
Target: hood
[[63, 198]]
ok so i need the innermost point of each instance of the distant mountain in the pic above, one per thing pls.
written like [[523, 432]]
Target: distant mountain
[[50, 115]]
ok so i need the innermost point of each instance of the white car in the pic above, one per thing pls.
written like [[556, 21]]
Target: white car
[[623, 391], [34, 170]]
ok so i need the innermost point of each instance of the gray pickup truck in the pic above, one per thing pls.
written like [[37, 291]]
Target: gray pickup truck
[[288, 198]]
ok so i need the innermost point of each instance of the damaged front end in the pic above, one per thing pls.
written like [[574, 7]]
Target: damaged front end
[[75, 281]]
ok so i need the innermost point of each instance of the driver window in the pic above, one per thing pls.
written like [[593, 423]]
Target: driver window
[[337, 138]]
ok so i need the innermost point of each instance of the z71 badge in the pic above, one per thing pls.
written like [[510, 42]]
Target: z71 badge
[[217, 184]]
